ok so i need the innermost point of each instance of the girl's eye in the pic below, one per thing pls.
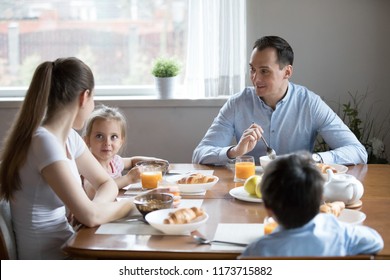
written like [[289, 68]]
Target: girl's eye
[[99, 136], [114, 137]]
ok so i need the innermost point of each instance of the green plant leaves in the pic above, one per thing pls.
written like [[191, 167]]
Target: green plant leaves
[[166, 67]]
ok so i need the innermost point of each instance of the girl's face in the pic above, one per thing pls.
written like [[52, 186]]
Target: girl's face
[[105, 139]]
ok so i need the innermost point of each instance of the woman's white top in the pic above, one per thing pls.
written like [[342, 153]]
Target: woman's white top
[[38, 214]]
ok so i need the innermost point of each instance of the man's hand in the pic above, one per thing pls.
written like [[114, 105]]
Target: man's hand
[[247, 142]]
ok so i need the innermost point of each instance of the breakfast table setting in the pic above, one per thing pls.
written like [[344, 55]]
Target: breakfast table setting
[[209, 212]]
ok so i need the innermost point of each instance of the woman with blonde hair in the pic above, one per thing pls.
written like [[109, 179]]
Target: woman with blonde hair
[[43, 157]]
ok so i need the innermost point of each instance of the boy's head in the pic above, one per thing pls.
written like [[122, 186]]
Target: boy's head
[[292, 188]]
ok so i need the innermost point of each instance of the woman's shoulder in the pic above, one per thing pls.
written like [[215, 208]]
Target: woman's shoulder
[[44, 137], [76, 143]]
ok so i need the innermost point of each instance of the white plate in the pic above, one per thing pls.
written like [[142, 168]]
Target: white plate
[[156, 220], [241, 194], [192, 188], [350, 216]]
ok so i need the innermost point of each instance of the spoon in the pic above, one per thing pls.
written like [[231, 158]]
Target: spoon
[[270, 152], [202, 240]]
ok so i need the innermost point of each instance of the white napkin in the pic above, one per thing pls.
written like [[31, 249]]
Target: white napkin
[[187, 171], [176, 174], [137, 227], [188, 203], [193, 194], [135, 187], [240, 233]]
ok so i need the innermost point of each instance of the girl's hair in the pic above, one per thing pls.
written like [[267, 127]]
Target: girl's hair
[[292, 188], [104, 112], [54, 84]]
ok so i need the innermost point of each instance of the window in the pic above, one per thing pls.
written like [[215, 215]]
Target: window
[[117, 39], [120, 39]]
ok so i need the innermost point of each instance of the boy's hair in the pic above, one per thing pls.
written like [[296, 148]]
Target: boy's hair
[[103, 112], [292, 188]]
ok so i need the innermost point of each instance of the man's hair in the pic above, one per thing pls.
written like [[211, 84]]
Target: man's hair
[[283, 49], [292, 188]]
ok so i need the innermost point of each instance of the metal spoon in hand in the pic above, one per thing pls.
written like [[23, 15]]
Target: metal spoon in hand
[[270, 152]]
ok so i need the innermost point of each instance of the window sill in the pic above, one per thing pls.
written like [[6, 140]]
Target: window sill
[[134, 101]]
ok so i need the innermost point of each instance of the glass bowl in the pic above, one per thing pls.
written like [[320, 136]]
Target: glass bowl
[[159, 163], [150, 202]]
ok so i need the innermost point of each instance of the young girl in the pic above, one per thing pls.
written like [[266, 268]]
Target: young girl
[[43, 157], [105, 134]]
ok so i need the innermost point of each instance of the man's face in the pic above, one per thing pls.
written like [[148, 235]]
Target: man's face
[[268, 79]]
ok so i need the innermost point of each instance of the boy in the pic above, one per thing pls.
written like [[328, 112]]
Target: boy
[[292, 188]]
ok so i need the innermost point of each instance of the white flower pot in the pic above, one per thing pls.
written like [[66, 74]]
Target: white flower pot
[[166, 87]]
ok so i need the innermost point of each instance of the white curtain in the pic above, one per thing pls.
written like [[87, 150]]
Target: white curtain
[[216, 52]]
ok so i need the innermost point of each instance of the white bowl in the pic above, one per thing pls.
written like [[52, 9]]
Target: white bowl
[[351, 216], [265, 160], [340, 169], [156, 220], [197, 188]]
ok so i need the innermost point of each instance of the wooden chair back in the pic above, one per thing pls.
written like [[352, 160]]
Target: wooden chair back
[[7, 237]]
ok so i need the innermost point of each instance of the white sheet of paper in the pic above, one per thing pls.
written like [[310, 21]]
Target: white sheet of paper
[[241, 233], [138, 227], [134, 187], [188, 203], [208, 172]]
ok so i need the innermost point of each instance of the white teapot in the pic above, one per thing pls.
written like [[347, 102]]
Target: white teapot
[[342, 187]]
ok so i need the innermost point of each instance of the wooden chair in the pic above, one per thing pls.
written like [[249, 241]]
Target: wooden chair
[[7, 237]]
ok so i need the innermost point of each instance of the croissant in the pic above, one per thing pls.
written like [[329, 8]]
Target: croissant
[[334, 208], [196, 178], [183, 216], [323, 167]]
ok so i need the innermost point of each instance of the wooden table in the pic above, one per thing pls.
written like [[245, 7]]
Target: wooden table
[[223, 208]]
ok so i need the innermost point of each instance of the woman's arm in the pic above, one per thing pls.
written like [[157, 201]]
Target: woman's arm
[[103, 208]]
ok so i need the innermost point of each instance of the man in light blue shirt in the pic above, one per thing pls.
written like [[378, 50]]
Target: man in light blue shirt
[[289, 116], [292, 188]]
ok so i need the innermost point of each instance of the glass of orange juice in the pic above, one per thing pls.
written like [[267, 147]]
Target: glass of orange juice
[[244, 168], [269, 225], [151, 175]]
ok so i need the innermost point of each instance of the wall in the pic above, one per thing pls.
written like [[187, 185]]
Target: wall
[[339, 45], [168, 129]]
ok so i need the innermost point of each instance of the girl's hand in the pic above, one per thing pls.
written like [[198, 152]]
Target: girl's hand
[[134, 175]]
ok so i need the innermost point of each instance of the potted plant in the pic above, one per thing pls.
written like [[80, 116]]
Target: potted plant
[[370, 131], [165, 71]]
